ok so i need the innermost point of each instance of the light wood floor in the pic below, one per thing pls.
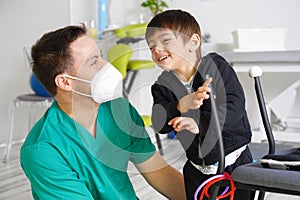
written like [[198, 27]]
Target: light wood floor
[[15, 186]]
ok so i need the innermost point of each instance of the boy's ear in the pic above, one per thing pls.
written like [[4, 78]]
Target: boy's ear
[[195, 42], [63, 82]]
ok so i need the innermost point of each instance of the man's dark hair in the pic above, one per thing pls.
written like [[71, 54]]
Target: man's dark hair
[[51, 55]]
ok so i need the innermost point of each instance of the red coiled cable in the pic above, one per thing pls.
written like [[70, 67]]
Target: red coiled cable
[[214, 180]]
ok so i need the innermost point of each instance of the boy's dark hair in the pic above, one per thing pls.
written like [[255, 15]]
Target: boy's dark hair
[[181, 22], [51, 55]]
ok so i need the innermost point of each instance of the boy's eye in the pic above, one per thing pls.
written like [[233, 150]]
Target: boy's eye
[[151, 45], [152, 48]]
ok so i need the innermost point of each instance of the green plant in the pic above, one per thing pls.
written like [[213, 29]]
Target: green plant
[[156, 6]]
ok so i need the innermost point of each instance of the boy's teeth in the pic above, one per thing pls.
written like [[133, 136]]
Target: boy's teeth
[[163, 57]]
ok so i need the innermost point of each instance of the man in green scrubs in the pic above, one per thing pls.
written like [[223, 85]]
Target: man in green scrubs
[[81, 147]]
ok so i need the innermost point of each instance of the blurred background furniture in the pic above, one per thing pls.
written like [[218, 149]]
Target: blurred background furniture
[[34, 101], [38, 98], [254, 176], [281, 72], [119, 55], [131, 33], [281, 106]]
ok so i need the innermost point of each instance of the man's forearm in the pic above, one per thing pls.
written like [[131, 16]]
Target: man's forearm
[[168, 181]]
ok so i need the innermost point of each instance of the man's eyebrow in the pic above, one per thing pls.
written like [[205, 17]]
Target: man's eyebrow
[[94, 56]]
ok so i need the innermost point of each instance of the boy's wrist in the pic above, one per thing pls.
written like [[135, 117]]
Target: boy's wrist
[[181, 107]]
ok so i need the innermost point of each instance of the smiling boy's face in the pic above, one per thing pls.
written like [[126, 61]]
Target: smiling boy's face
[[170, 51]]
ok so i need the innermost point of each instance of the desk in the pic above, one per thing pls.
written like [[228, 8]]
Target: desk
[[280, 68], [270, 61]]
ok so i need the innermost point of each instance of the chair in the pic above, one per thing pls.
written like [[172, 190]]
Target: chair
[[254, 176], [131, 31], [40, 98], [119, 56], [33, 100]]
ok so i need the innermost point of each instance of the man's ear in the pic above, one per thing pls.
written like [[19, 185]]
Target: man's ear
[[195, 42], [63, 82]]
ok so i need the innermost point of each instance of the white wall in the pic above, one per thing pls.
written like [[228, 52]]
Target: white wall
[[83, 10], [221, 17], [22, 22]]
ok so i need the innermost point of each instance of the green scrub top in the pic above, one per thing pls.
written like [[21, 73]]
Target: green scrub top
[[63, 160]]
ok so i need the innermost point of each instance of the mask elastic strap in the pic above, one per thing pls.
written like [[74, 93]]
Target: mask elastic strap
[[80, 93], [76, 78], [79, 79]]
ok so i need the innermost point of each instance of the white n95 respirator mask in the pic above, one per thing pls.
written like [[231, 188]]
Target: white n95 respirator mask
[[106, 85]]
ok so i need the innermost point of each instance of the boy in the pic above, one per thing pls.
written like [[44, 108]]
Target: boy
[[180, 99]]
